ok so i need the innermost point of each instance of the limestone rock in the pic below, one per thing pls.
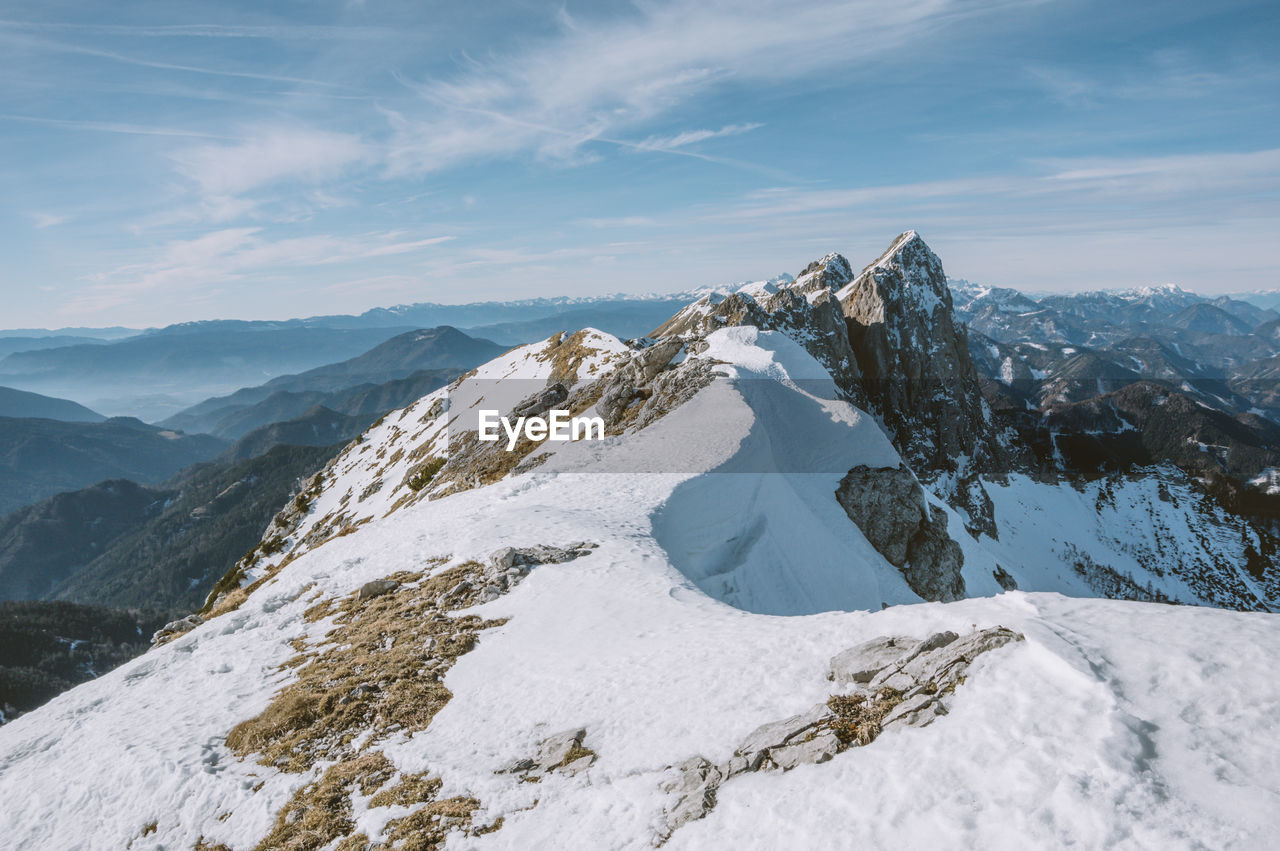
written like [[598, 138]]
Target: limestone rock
[[377, 588], [694, 789], [649, 362], [917, 711], [553, 749], [779, 732], [861, 663], [820, 748], [539, 403], [173, 629], [888, 505]]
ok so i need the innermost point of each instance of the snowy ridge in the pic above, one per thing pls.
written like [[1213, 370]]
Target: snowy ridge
[[668, 615]]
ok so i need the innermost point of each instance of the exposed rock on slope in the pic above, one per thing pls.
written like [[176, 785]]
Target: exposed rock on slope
[[806, 310], [889, 507], [888, 681]]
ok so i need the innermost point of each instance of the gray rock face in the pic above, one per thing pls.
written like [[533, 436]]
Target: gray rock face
[[888, 505], [860, 664], [919, 376], [809, 314], [947, 663], [779, 732], [917, 711], [376, 588], [648, 387], [820, 748], [541, 402], [898, 681], [562, 753], [934, 561], [1004, 579], [173, 629], [830, 273], [508, 558], [649, 362], [694, 792]]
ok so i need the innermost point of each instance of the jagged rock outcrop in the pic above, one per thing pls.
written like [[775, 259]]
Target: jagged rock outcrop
[[889, 506], [539, 403], [919, 378], [173, 629], [806, 310], [830, 273], [563, 753], [886, 682]]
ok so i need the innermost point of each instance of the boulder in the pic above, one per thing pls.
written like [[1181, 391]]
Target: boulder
[[539, 403], [694, 789], [649, 362], [888, 505], [173, 629], [553, 750], [860, 664], [377, 588]]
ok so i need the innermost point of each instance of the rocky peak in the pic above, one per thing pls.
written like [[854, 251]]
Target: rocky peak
[[919, 377], [908, 273], [830, 273], [811, 318]]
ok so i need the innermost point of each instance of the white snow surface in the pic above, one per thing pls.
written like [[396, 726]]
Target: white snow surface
[[712, 605]]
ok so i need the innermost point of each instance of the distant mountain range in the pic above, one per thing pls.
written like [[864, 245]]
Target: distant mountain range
[[123, 544], [154, 375], [41, 457], [20, 403], [416, 360]]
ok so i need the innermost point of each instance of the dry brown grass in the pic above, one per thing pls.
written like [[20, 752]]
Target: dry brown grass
[[201, 845], [566, 356], [410, 789], [321, 812], [374, 675], [378, 670], [857, 717]]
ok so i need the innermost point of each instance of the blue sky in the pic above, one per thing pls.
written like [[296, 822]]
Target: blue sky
[[167, 161]]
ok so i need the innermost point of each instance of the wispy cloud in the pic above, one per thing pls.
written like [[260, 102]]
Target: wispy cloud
[[1169, 74], [291, 32], [46, 220], [692, 137], [230, 255], [124, 128], [226, 173], [1081, 182], [41, 44], [597, 80], [270, 156], [620, 222]]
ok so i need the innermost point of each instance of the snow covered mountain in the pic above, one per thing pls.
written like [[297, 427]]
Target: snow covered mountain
[[804, 592]]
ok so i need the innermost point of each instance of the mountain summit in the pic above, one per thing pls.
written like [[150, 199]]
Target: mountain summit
[[771, 606]]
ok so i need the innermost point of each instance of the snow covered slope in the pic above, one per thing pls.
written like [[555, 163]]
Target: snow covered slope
[[575, 645]]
